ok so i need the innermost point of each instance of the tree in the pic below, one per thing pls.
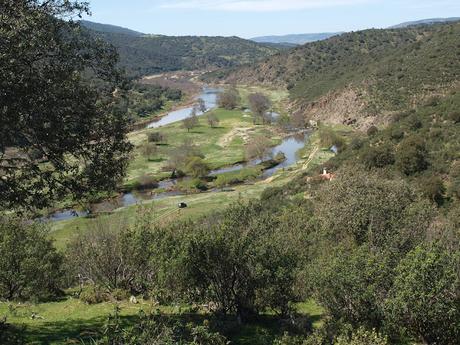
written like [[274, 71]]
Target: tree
[[190, 122], [259, 148], [378, 156], [364, 207], [149, 150], [351, 285], [201, 106], [156, 137], [197, 167], [259, 104], [229, 99], [113, 255], [425, 299], [213, 120], [30, 267], [62, 100], [412, 155], [237, 263]]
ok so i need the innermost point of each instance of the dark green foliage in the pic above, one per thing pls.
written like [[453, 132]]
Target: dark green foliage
[[378, 157], [412, 155], [58, 103], [372, 130], [237, 263], [425, 300], [151, 54], [158, 330], [352, 284], [368, 208], [30, 267], [145, 99], [390, 66], [433, 188]]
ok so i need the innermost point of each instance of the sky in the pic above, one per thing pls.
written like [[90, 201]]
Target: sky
[[251, 18]]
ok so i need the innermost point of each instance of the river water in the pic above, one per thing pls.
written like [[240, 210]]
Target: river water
[[209, 95], [289, 146]]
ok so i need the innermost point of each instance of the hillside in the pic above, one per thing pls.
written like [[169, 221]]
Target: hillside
[[109, 28], [358, 78], [430, 21], [297, 39], [149, 54]]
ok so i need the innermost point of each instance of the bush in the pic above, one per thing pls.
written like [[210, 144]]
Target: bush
[[412, 155], [372, 130], [425, 301], [378, 157], [362, 337], [229, 99], [93, 295], [234, 263], [156, 137], [455, 116], [119, 294], [30, 266]]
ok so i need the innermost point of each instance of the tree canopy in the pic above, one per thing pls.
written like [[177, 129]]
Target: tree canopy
[[62, 106]]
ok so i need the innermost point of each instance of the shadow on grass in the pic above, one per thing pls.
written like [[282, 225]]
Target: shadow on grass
[[258, 331]]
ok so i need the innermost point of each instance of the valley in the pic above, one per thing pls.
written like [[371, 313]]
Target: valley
[[213, 190]]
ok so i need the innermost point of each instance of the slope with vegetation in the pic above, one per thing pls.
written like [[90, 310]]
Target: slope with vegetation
[[358, 78], [143, 55]]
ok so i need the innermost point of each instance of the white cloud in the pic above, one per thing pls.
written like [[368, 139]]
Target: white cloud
[[258, 5]]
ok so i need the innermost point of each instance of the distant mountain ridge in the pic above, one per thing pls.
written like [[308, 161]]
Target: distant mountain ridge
[[296, 39], [110, 28], [430, 21]]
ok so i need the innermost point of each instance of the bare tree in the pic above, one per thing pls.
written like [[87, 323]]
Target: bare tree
[[259, 104], [201, 105], [190, 122], [259, 148], [229, 99], [213, 120]]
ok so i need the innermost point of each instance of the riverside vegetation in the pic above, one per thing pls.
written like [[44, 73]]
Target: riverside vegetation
[[370, 256]]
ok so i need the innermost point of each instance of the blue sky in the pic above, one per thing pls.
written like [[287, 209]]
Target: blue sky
[[249, 18]]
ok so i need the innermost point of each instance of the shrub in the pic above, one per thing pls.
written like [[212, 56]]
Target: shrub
[[229, 99], [372, 130], [362, 337], [30, 266], [455, 116], [234, 263], [378, 157], [92, 294], [412, 155], [425, 300], [156, 137]]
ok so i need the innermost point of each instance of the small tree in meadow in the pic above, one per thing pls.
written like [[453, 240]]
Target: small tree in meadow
[[229, 99], [201, 105], [213, 120], [258, 147], [259, 104], [190, 122]]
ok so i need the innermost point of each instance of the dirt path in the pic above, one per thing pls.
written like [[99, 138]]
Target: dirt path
[[242, 132]]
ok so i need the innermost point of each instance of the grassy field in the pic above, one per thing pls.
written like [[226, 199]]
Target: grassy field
[[69, 321], [222, 145]]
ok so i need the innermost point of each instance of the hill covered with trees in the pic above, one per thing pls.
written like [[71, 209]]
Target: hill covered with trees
[[149, 54], [361, 76]]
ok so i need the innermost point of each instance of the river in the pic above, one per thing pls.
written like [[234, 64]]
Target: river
[[290, 146]]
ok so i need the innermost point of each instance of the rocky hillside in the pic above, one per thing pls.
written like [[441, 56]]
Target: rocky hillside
[[362, 77]]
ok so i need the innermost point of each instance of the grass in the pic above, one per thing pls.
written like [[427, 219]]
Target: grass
[[209, 140], [69, 321]]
